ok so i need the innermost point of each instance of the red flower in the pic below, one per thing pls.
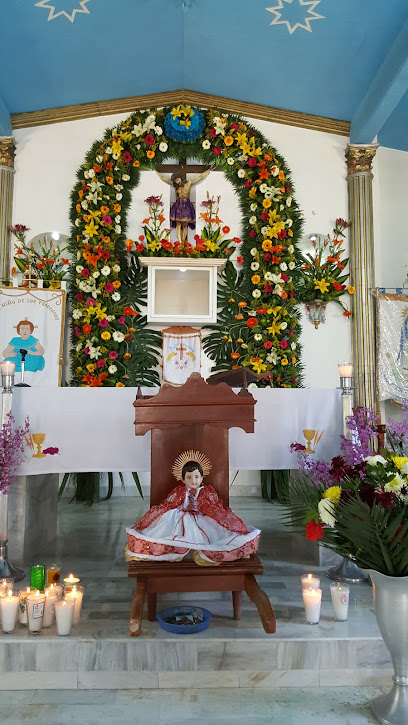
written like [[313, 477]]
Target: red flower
[[85, 273], [283, 344], [149, 139], [113, 354], [105, 254], [314, 531], [139, 247], [251, 162], [217, 150], [127, 157], [107, 219], [213, 132], [268, 344], [248, 184], [109, 287], [80, 298], [100, 363], [291, 293], [77, 331], [226, 230], [252, 321], [282, 234], [237, 240], [264, 216], [141, 238], [337, 286], [234, 127], [240, 260], [267, 256], [268, 288], [121, 320], [287, 189], [284, 277], [103, 323], [252, 233]]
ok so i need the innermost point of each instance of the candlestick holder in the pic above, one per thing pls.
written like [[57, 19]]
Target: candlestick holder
[[22, 384]]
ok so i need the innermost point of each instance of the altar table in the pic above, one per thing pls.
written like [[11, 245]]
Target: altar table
[[93, 430]]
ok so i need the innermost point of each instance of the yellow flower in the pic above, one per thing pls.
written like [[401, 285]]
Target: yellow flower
[[228, 140], [321, 285], [119, 385], [125, 135], [258, 366], [211, 246], [105, 335], [284, 361], [399, 461], [266, 203], [255, 279], [94, 214], [90, 229], [100, 312], [290, 233], [266, 245], [252, 192], [276, 228], [333, 493], [91, 367], [154, 245], [255, 150], [245, 147], [117, 147], [231, 299], [351, 290], [150, 154], [274, 328]]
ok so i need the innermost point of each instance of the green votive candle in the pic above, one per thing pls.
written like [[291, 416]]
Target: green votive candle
[[37, 576]]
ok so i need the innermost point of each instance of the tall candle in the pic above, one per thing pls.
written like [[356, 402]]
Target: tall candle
[[64, 612], [312, 599], [9, 611], [76, 594], [35, 612], [310, 581], [53, 574], [340, 594], [22, 595], [57, 588], [51, 598]]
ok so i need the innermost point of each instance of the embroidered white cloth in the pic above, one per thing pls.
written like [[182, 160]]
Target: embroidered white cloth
[[181, 354], [93, 429]]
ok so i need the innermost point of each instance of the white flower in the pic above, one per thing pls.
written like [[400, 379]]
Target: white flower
[[95, 293], [112, 369], [116, 268], [77, 222], [84, 204], [291, 265], [281, 207], [277, 289], [116, 296], [95, 352], [119, 187], [326, 512], [99, 159], [117, 219], [254, 266], [86, 174], [373, 460], [258, 337], [404, 469], [78, 256], [395, 485], [243, 157], [272, 357], [125, 177], [96, 274], [275, 171], [252, 220], [206, 144], [268, 276], [150, 122], [293, 345], [244, 346], [289, 201], [115, 156], [283, 266], [158, 130], [108, 150], [283, 325], [289, 222], [79, 268], [118, 197], [76, 314], [138, 129], [230, 161], [79, 347], [118, 336], [291, 248], [118, 229], [105, 270], [241, 173], [256, 293], [110, 317], [263, 188], [253, 207], [163, 146], [253, 251], [264, 231]]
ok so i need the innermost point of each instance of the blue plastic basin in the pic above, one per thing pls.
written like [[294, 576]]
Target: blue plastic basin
[[183, 628]]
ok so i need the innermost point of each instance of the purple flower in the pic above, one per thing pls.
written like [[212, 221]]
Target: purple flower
[[12, 451]]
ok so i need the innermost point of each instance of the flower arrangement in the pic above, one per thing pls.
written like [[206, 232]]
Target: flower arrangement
[[357, 504], [101, 199], [323, 276], [12, 451], [43, 262]]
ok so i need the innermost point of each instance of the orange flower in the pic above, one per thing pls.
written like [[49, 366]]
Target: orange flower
[[264, 174], [128, 337], [242, 304], [346, 313], [116, 284], [130, 312], [235, 355], [127, 356], [266, 203], [106, 239], [150, 154], [78, 208], [97, 168], [136, 164], [255, 279], [239, 317], [226, 230], [109, 180], [267, 157], [266, 245], [104, 210], [283, 294], [351, 290], [80, 193], [86, 218], [228, 140], [235, 367], [86, 329]]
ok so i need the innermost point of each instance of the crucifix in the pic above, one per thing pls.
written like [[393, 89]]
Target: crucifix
[[181, 349], [182, 211]]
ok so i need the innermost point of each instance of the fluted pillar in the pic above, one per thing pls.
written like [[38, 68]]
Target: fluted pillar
[[362, 277], [6, 202]]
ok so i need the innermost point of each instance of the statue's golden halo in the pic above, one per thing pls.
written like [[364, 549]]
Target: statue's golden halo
[[187, 456]]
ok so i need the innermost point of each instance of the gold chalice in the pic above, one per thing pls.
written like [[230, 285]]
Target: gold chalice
[[309, 434], [38, 439]]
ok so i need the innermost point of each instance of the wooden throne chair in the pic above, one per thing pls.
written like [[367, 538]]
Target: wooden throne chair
[[194, 416]]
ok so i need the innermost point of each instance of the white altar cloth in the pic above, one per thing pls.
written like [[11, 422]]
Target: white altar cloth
[[93, 428]]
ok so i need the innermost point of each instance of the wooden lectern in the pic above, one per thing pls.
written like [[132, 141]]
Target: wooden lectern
[[195, 416]]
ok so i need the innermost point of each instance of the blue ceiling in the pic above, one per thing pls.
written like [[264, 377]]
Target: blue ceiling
[[344, 59]]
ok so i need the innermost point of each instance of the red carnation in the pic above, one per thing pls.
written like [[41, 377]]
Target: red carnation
[[80, 298], [252, 321], [252, 162], [213, 132], [217, 150], [248, 184], [268, 288], [149, 139], [127, 157], [314, 531], [283, 344], [234, 127], [264, 216], [139, 247], [100, 363], [267, 256]]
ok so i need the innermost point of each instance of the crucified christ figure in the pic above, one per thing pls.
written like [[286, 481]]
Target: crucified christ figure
[[182, 212]]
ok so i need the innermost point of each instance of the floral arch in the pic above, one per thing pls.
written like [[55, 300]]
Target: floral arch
[[258, 324]]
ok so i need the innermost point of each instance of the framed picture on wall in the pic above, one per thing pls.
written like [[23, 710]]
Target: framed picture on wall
[[32, 327], [392, 346]]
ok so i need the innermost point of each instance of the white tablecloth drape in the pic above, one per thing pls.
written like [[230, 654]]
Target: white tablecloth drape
[[93, 429]]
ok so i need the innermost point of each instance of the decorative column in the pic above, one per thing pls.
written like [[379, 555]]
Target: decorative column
[[6, 202], [359, 182]]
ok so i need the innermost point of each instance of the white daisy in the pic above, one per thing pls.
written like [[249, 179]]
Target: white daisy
[[252, 220], [254, 266], [118, 336], [105, 270], [112, 369], [256, 293], [258, 337], [163, 146], [206, 144], [254, 251], [230, 161], [116, 296], [241, 173], [77, 314]]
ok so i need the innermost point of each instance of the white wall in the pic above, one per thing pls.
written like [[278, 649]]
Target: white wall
[[48, 157]]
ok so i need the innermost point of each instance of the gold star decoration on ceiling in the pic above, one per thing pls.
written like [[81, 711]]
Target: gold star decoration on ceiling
[[70, 14], [309, 16]]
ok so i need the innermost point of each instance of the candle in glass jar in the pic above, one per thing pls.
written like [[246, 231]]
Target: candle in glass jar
[[76, 594], [9, 611], [22, 612], [35, 611], [71, 579], [64, 612], [310, 581], [312, 599], [5, 586], [49, 608], [53, 575], [340, 594], [57, 588]]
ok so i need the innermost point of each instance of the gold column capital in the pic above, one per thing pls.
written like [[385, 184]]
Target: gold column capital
[[359, 157], [7, 151]]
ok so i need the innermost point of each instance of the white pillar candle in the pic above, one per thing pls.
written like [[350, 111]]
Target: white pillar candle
[[49, 608], [22, 612], [57, 588], [340, 594], [76, 594], [64, 612], [35, 611], [310, 581], [312, 599], [9, 611], [5, 586]]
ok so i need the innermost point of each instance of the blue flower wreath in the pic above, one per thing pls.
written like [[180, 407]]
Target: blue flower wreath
[[178, 132]]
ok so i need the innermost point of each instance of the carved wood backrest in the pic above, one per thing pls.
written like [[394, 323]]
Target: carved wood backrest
[[193, 416]]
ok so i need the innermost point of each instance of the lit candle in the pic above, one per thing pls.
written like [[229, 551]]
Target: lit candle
[[7, 367], [340, 594], [76, 594], [5, 586], [345, 370], [57, 588], [9, 611], [64, 612], [35, 611], [22, 612], [310, 581], [51, 598], [71, 579], [312, 599], [53, 574]]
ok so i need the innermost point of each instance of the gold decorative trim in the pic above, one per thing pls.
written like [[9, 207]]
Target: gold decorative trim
[[7, 151], [186, 457], [157, 100], [359, 158]]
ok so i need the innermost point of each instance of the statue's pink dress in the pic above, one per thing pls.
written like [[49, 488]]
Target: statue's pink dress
[[191, 520]]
